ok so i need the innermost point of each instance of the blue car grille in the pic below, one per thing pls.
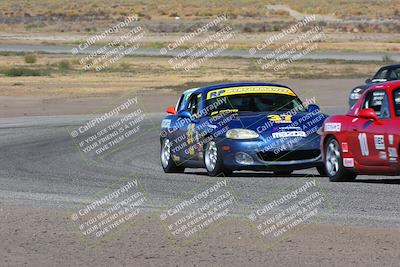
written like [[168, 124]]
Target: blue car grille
[[289, 155]]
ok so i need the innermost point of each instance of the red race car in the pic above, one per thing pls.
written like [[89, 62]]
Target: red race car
[[365, 140]]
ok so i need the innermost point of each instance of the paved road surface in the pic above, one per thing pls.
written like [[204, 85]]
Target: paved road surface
[[59, 49], [41, 166]]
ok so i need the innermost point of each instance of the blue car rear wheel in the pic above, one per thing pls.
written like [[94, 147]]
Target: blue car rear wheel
[[167, 162]]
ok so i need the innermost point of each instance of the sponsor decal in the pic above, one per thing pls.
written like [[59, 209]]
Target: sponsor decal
[[289, 134], [191, 135], [362, 138], [379, 142], [224, 111], [176, 158], [391, 139], [332, 127], [294, 128], [345, 147], [348, 162], [382, 155], [249, 90], [280, 118], [165, 123], [392, 152]]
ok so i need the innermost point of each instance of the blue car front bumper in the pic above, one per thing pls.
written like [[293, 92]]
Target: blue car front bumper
[[267, 156]]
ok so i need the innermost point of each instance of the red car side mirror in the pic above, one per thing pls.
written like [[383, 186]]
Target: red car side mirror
[[171, 110], [368, 114]]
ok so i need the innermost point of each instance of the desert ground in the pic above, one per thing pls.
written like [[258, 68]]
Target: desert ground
[[46, 179]]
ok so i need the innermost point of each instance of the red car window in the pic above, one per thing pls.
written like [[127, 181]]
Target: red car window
[[396, 100], [378, 101]]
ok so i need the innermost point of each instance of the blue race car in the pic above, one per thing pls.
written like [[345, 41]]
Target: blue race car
[[241, 126]]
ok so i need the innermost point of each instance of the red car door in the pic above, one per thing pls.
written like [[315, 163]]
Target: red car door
[[393, 128], [369, 139]]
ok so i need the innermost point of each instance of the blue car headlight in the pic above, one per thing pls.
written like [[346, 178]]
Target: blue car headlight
[[241, 134]]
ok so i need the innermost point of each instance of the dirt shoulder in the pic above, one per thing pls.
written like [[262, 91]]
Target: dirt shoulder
[[44, 237], [53, 106], [339, 42], [330, 94]]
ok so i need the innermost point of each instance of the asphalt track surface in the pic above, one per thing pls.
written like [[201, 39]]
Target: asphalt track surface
[[60, 49], [40, 166]]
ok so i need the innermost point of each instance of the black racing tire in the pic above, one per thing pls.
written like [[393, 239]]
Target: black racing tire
[[167, 162], [334, 162], [213, 160], [322, 171]]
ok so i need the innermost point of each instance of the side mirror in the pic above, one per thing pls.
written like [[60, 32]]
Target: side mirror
[[368, 114], [312, 108], [171, 110], [368, 81], [184, 114]]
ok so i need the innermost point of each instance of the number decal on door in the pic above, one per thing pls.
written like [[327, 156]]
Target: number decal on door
[[362, 137], [190, 137]]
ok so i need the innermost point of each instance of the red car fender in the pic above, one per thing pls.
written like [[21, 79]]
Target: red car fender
[[337, 126]]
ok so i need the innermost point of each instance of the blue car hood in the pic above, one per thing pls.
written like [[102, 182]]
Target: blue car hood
[[271, 121], [276, 128]]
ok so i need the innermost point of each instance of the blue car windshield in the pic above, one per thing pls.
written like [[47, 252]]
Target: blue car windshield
[[256, 103]]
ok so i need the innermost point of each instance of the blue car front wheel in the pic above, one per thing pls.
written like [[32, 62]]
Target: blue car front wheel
[[213, 160]]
